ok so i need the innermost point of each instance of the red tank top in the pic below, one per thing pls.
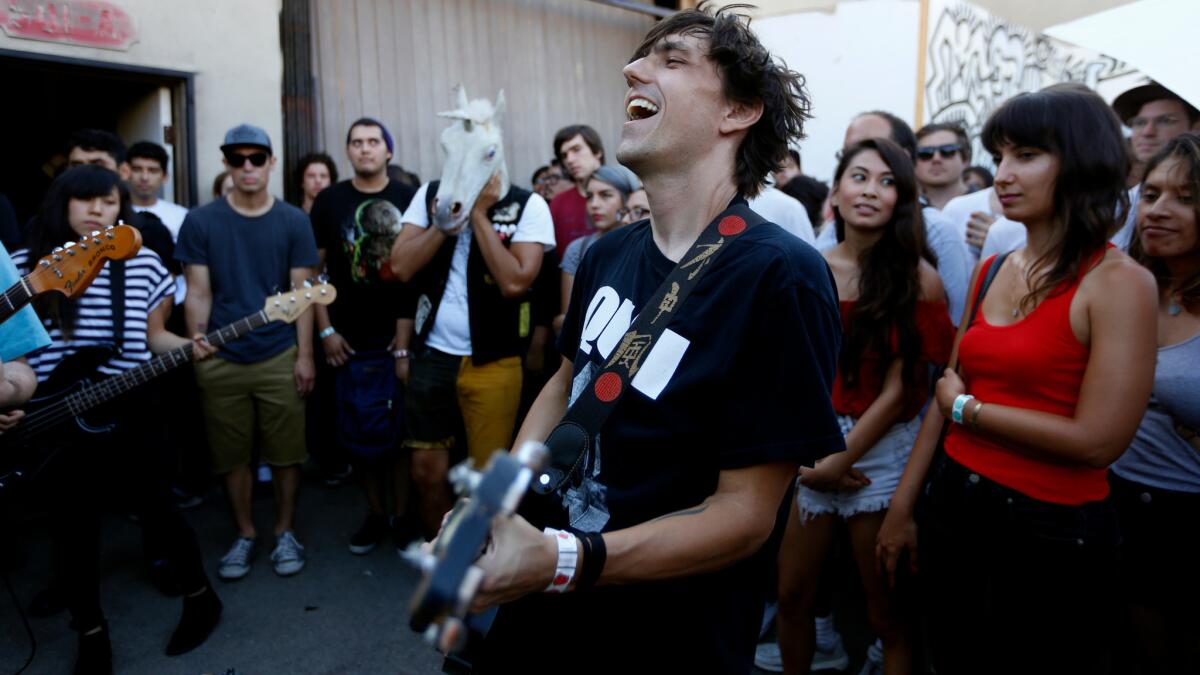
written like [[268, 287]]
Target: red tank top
[[1036, 363]]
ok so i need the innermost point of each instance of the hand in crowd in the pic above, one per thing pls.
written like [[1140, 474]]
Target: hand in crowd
[[305, 373], [977, 228], [897, 534], [401, 363], [201, 349], [949, 387], [488, 196], [829, 476], [337, 350], [519, 560]]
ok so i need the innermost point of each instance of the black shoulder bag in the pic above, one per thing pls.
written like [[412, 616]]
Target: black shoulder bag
[[570, 441]]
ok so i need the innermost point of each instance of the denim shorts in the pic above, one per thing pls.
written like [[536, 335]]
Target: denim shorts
[[883, 464]]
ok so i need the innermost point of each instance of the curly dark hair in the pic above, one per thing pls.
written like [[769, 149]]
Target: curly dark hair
[[1185, 149], [748, 74], [889, 282], [51, 227], [302, 166], [1075, 125]]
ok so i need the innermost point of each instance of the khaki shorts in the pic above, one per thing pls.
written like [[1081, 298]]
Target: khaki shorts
[[249, 403]]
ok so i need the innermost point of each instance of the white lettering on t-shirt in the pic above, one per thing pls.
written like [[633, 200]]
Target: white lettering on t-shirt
[[606, 321]]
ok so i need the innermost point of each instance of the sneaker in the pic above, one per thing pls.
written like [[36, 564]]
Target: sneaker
[[367, 538], [833, 658], [767, 657], [336, 478], [185, 499], [236, 563], [288, 555], [874, 662]]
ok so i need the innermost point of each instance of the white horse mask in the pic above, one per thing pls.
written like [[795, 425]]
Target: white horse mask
[[474, 149]]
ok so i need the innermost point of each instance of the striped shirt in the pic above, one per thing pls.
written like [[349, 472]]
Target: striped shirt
[[147, 284]]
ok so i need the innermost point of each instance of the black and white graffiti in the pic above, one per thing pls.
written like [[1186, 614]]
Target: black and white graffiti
[[976, 61]]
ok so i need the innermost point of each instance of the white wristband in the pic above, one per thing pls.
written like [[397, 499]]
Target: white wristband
[[956, 410], [568, 558]]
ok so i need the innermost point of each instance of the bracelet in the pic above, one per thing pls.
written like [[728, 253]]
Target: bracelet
[[595, 554], [327, 332], [974, 421], [401, 354], [568, 558], [956, 410]]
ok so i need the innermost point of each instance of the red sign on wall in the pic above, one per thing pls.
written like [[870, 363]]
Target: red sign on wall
[[92, 23]]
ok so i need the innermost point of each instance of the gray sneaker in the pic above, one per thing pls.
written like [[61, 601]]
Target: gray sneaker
[[288, 555], [236, 563], [873, 665], [768, 658]]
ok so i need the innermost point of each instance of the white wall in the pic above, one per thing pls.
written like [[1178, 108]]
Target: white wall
[[232, 47], [863, 56]]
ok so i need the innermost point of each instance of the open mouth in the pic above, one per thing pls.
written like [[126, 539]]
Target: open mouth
[[639, 109]]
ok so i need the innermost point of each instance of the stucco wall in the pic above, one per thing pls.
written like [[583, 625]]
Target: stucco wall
[[232, 48]]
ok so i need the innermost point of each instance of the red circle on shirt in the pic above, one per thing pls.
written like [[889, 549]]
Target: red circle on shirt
[[560, 580], [608, 387], [731, 225]]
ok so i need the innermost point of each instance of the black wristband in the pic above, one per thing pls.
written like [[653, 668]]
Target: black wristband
[[595, 554]]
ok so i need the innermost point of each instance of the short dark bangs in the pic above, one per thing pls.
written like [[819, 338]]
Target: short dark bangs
[[89, 181], [1025, 120]]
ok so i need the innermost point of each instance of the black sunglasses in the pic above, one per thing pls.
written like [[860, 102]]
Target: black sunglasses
[[236, 159], [947, 151]]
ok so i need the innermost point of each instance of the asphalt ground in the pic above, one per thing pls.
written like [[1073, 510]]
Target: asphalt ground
[[343, 614]]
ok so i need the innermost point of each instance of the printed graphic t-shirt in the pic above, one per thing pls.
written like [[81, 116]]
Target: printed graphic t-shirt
[[741, 377], [356, 230]]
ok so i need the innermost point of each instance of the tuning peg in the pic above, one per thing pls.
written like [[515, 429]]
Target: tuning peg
[[308, 283], [95, 233], [324, 291], [464, 478], [69, 247]]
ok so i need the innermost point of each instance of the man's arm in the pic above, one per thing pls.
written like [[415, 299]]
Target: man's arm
[[729, 526], [197, 306], [515, 267], [17, 383], [414, 247], [305, 371]]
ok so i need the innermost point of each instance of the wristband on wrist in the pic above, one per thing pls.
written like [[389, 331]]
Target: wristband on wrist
[[973, 421], [327, 332], [568, 558], [956, 410], [595, 554], [401, 354]]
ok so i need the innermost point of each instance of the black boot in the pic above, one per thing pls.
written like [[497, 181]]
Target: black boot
[[200, 616], [95, 653]]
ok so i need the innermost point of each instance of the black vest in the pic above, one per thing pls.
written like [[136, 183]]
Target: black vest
[[499, 325]]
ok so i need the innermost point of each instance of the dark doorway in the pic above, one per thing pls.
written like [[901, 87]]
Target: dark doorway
[[49, 97]]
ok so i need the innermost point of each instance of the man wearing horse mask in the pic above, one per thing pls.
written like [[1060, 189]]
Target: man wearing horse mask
[[471, 272], [671, 506]]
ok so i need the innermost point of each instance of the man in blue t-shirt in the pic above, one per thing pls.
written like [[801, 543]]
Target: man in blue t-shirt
[[682, 486], [238, 251]]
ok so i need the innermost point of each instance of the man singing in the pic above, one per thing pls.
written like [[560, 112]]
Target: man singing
[[682, 485]]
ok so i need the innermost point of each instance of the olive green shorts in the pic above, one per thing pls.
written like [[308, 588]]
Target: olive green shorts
[[252, 403]]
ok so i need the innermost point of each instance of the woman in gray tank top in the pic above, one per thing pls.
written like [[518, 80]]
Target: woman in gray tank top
[[1156, 483]]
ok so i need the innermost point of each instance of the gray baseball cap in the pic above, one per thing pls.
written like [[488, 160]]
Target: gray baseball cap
[[247, 134]]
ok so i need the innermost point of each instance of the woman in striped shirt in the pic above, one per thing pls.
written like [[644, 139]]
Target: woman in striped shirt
[[131, 462]]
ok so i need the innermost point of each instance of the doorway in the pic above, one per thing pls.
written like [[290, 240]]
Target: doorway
[[49, 97]]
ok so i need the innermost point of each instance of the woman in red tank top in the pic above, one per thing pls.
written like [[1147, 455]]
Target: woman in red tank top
[[1018, 539]]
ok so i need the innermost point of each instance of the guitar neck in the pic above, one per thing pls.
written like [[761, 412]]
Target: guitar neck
[[109, 388], [17, 296]]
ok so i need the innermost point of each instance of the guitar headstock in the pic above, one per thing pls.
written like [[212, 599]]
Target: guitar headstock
[[71, 268], [288, 307]]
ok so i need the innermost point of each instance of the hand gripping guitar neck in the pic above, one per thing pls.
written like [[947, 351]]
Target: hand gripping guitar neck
[[449, 577]]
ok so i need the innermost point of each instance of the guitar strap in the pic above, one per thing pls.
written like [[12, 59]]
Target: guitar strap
[[569, 442], [116, 288]]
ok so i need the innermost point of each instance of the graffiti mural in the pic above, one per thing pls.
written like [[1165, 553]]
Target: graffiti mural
[[976, 61]]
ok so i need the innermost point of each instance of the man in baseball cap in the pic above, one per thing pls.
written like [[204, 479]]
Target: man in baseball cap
[[246, 134]]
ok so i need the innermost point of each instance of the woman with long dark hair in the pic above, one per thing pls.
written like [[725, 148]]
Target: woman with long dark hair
[[894, 325], [128, 463], [1018, 536], [1156, 483]]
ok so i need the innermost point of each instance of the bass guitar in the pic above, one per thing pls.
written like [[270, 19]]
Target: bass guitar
[[73, 390], [72, 267]]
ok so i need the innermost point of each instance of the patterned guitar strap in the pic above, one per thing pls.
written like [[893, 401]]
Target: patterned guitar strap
[[570, 442]]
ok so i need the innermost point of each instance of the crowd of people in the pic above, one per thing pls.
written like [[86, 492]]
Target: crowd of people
[[998, 371]]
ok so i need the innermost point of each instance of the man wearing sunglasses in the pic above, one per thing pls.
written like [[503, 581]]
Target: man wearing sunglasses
[[238, 250], [943, 151]]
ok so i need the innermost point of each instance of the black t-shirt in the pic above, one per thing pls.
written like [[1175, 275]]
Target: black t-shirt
[[157, 238], [356, 230], [743, 378]]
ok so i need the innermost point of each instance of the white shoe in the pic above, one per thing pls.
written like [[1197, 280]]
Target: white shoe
[[236, 563], [874, 663], [768, 657], [288, 555]]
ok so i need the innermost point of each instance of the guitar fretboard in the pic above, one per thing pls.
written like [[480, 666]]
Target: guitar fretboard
[[109, 388], [16, 297]]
